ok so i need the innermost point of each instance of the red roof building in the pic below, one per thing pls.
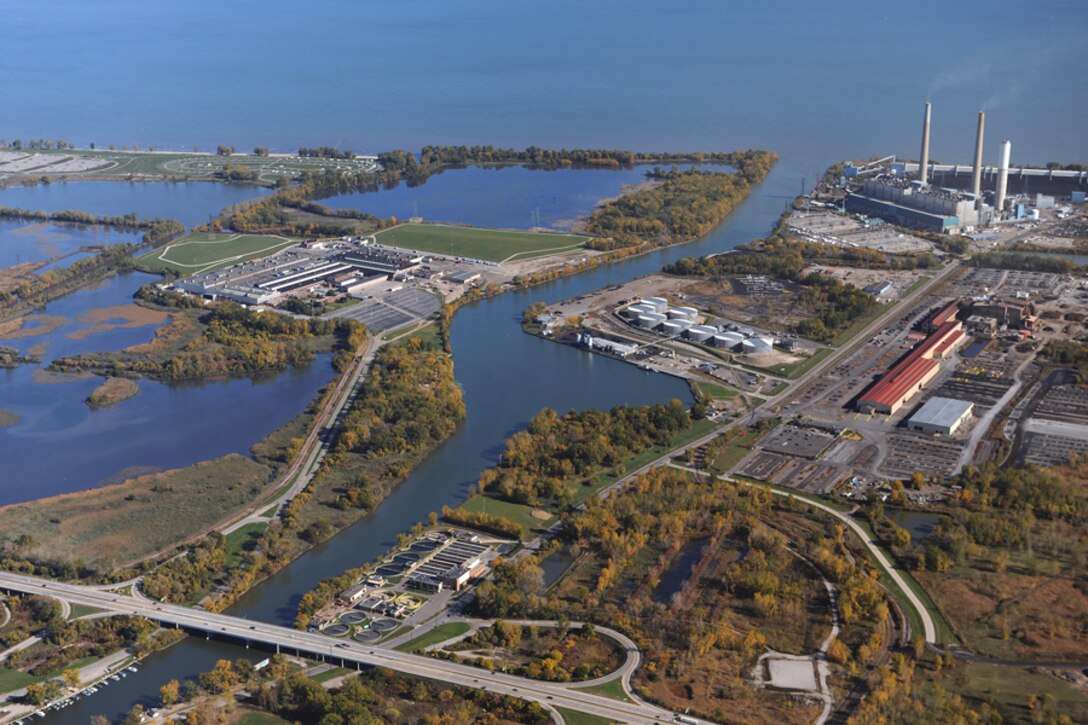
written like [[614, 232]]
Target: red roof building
[[904, 379]]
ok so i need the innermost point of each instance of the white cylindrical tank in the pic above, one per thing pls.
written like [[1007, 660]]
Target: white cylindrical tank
[[728, 339], [646, 321], [672, 328], [700, 333], [660, 304], [688, 312], [676, 313], [757, 346]]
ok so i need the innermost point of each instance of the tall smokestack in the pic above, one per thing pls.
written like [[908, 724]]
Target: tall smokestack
[[923, 168], [1002, 176], [976, 176]]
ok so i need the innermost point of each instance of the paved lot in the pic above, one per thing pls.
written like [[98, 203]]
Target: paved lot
[[392, 310]]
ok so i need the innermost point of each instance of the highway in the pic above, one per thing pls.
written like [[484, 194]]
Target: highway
[[344, 653]]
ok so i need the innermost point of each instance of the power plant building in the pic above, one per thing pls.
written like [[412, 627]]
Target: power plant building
[[912, 204]]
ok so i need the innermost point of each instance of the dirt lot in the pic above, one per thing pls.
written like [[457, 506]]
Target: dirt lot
[[724, 298]]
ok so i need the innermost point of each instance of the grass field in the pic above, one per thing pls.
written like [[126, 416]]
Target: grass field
[[112, 525], [520, 514], [14, 679], [715, 392], [239, 538], [494, 245], [440, 633], [205, 251], [612, 688], [1009, 689], [571, 717]]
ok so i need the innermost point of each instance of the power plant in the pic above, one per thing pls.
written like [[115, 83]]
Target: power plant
[[976, 171], [935, 197]]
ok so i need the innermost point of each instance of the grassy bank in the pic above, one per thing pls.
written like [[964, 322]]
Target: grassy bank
[[109, 526]]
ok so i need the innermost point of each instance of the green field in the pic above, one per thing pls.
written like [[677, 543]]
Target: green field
[[494, 245], [441, 633], [520, 514], [205, 251], [612, 688], [571, 717]]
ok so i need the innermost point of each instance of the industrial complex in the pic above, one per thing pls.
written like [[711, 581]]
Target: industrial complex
[[909, 195]]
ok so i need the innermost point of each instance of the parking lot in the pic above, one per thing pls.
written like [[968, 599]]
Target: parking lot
[[909, 453], [392, 309], [793, 441]]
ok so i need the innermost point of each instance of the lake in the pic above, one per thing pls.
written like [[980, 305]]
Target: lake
[[60, 444], [190, 202], [503, 197], [26, 241]]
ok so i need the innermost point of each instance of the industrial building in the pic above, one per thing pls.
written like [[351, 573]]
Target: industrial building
[[914, 204], [908, 376], [941, 415]]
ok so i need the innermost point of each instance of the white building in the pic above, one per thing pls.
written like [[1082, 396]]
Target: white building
[[941, 415]]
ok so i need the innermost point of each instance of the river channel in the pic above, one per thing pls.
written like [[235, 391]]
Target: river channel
[[507, 377]]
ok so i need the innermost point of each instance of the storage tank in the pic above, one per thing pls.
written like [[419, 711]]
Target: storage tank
[[647, 322], [677, 313], [641, 309], [730, 340], [700, 333], [688, 312], [660, 304], [757, 346], [672, 328], [631, 313], [657, 316]]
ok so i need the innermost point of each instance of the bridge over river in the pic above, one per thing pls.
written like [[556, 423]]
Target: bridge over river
[[343, 653]]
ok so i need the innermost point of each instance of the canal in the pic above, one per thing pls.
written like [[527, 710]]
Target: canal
[[507, 377]]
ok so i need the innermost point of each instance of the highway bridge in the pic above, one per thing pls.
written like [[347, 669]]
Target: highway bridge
[[343, 653]]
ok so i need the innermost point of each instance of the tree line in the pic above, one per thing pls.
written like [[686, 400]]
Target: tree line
[[235, 341], [539, 462], [683, 206]]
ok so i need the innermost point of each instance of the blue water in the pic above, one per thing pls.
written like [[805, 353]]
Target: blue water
[[814, 80], [509, 197], [190, 202], [24, 241], [61, 445]]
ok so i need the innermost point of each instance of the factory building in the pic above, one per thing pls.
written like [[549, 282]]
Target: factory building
[[381, 261], [908, 376], [941, 415], [913, 204]]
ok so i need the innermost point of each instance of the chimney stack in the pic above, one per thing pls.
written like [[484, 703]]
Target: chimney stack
[[923, 167], [1002, 177], [976, 176]]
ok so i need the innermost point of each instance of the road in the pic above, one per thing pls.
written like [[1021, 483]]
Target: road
[[301, 470], [347, 653], [827, 363]]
